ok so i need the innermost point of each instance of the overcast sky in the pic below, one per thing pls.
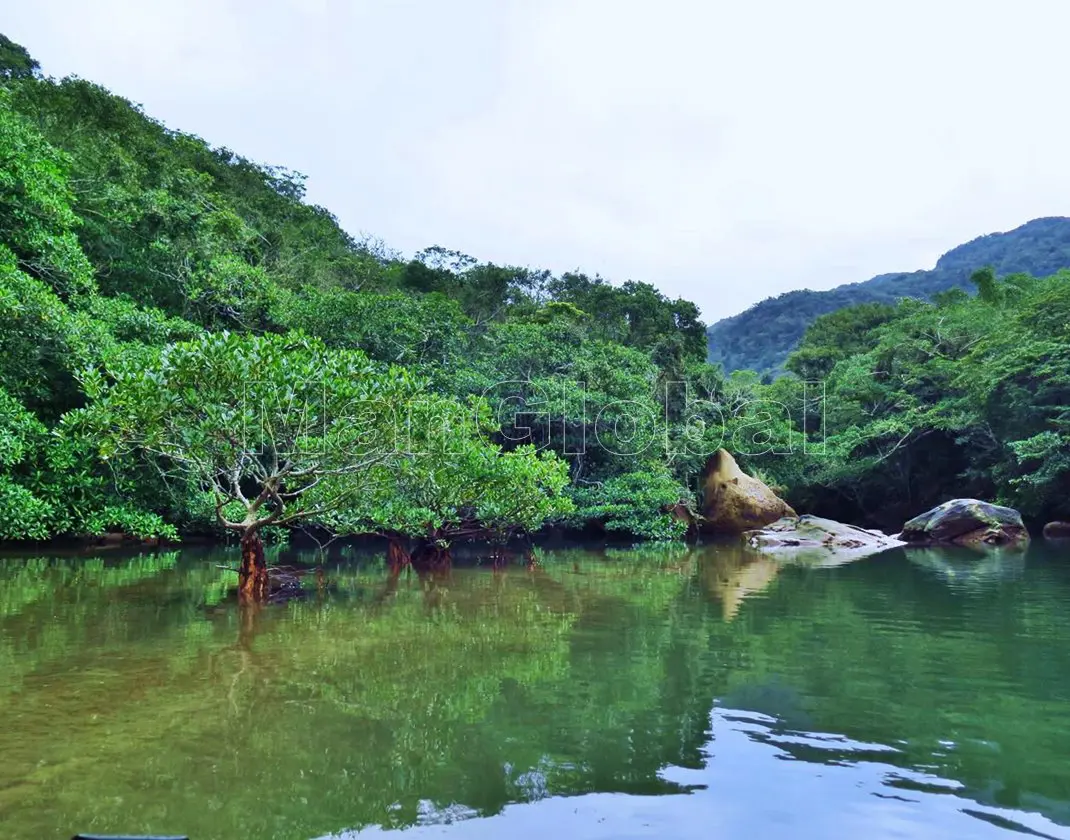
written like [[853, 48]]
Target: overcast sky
[[724, 152]]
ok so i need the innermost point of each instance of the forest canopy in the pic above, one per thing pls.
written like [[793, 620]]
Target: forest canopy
[[967, 396], [150, 281]]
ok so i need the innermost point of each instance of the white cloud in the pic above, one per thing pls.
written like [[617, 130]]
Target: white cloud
[[724, 152]]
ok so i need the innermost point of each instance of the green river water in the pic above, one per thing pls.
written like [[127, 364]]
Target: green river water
[[680, 692]]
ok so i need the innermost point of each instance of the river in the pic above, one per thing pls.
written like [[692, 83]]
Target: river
[[657, 692]]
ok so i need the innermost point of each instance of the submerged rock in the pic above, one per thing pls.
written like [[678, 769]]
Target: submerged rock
[[823, 541], [1057, 531], [968, 522], [735, 502]]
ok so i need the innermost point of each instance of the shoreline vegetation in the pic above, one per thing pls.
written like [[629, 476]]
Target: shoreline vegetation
[[189, 349]]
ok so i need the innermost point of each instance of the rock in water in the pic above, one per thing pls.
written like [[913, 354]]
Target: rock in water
[[1057, 531], [967, 522], [735, 502], [816, 540]]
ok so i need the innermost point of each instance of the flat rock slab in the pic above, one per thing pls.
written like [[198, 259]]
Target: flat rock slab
[[818, 541]]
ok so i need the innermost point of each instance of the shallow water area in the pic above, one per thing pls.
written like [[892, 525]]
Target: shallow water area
[[602, 693]]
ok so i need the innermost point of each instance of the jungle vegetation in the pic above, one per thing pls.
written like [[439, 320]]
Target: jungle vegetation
[[188, 346], [966, 396]]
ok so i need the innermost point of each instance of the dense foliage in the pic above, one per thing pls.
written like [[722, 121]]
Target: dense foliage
[[150, 282], [762, 337], [964, 396]]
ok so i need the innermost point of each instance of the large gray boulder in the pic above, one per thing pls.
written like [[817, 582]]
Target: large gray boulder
[[814, 540], [968, 522]]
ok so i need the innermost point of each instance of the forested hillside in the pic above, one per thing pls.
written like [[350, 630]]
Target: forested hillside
[[152, 284], [187, 346], [966, 396], [761, 337]]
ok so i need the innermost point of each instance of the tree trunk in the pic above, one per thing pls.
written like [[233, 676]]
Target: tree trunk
[[429, 555], [253, 575], [397, 556]]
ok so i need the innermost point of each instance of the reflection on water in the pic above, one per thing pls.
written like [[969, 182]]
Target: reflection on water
[[663, 692], [732, 573], [972, 568], [758, 780]]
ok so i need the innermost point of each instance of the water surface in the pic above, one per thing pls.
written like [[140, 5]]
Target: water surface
[[652, 693]]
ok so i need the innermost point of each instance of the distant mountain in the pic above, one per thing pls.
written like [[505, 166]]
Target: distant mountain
[[761, 337]]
